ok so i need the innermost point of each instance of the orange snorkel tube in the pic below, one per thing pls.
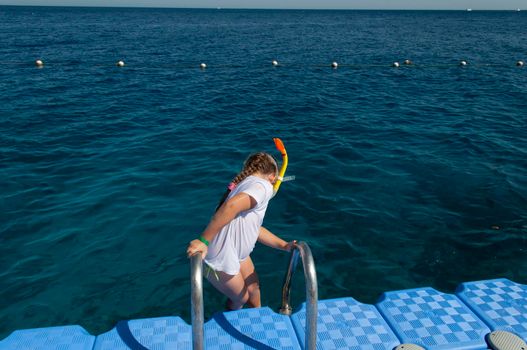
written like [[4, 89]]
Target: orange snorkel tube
[[281, 148]]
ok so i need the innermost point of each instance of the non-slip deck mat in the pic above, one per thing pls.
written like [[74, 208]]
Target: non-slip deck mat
[[52, 338], [426, 317], [433, 320], [161, 333], [259, 328], [501, 303], [347, 324]]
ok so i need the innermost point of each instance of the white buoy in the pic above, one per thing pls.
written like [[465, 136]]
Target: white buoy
[[396, 64], [407, 62], [203, 66], [334, 65], [275, 63], [463, 63], [120, 64], [39, 63], [520, 63]]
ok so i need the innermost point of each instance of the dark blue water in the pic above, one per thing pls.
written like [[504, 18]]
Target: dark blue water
[[405, 177]]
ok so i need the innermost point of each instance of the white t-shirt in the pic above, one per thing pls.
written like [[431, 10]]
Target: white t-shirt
[[237, 239]]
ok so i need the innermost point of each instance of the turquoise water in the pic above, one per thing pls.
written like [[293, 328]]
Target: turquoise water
[[404, 177]]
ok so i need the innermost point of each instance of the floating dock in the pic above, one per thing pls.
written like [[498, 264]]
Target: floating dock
[[407, 319]]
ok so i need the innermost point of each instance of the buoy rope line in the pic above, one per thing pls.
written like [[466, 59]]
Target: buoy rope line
[[274, 64]]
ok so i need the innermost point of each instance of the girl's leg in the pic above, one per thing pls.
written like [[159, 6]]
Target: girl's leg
[[232, 286], [252, 282]]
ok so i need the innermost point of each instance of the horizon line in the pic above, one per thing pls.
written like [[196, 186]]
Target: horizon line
[[262, 8]]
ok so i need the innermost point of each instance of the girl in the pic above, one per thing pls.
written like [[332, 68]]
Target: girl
[[234, 230]]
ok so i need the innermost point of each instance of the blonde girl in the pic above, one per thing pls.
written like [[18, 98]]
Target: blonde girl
[[234, 230]]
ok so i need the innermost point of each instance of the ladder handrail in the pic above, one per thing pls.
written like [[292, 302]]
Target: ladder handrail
[[310, 274], [300, 249], [197, 307]]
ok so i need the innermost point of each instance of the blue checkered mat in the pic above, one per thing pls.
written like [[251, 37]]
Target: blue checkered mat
[[153, 333], [258, 328], [433, 320], [347, 324], [501, 303], [424, 316], [53, 338]]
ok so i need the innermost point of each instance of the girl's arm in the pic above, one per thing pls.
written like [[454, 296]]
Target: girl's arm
[[225, 214], [271, 240]]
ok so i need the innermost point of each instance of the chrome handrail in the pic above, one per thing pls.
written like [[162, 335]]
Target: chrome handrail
[[197, 308], [310, 275]]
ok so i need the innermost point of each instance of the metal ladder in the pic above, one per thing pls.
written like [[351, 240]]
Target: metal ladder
[[196, 296], [302, 250]]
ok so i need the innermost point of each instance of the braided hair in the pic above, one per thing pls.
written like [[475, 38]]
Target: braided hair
[[260, 162]]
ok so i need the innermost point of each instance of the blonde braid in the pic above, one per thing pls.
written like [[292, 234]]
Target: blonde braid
[[248, 170], [257, 162]]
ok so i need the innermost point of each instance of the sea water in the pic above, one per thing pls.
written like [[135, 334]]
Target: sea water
[[405, 177]]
